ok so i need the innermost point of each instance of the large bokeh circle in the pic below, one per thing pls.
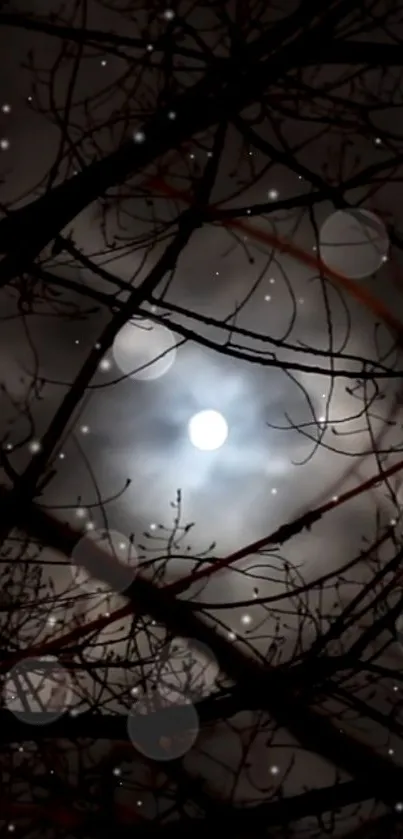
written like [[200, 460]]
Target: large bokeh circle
[[122, 568], [399, 629], [37, 691], [163, 729], [353, 243], [144, 350], [185, 666]]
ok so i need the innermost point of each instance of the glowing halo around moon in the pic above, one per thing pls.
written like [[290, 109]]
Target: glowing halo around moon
[[354, 243], [144, 350], [208, 430]]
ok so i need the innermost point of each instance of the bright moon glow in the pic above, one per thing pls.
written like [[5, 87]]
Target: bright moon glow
[[144, 350], [208, 430]]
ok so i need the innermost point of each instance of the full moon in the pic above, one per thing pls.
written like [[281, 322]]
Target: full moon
[[144, 350], [208, 430]]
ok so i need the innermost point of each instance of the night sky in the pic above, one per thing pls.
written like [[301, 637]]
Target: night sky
[[295, 438]]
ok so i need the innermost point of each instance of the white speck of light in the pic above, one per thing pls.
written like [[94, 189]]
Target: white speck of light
[[267, 298], [274, 491], [378, 141], [399, 806], [51, 621], [208, 430], [171, 114], [246, 620], [85, 429], [273, 194], [6, 108], [274, 770], [34, 446], [90, 525], [150, 47], [105, 364], [391, 751], [81, 512], [153, 526], [62, 456], [272, 281], [103, 62], [232, 636], [117, 771], [139, 137], [4, 144]]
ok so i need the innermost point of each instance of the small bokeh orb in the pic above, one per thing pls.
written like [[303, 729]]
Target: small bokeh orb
[[163, 729], [353, 243], [37, 691], [208, 430], [121, 568], [185, 666], [144, 350]]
